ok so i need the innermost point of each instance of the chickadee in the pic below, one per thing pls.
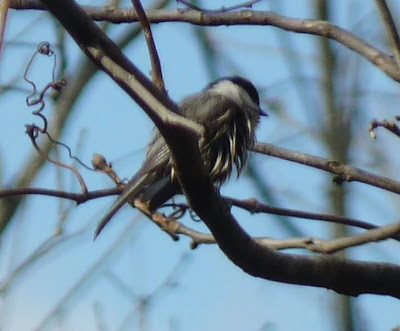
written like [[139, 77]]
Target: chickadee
[[229, 109]]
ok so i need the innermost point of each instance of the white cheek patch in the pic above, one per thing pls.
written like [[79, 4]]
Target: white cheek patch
[[235, 93], [229, 90]]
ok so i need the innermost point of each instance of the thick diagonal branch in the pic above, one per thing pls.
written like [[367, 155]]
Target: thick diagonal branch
[[344, 276]]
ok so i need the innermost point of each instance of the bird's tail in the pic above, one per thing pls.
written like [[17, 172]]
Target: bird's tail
[[133, 188]]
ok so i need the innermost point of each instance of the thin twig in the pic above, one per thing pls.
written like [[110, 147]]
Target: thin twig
[[164, 223], [100, 163], [175, 228], [77, 197], [80, 284], [254, 206], [373, 235], [169, 281], [343, 171], [247, 4], [381, 60], [249, 205], [344, 276], [31, 133], [388, 125], [47, 246], [156, 71], [390, 25], [4, 6]]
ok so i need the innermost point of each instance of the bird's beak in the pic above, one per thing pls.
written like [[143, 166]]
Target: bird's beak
[[263, 112]]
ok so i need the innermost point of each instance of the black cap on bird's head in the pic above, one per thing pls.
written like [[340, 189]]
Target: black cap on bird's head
[[246, 85]]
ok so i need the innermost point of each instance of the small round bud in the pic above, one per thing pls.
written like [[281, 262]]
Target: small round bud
[[99, 162], [44, 48]]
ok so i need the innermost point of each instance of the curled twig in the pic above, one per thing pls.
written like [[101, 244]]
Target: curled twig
[[179, 209], [43, 49], [32, 131]]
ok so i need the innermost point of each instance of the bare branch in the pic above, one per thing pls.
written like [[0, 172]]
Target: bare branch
[[4, 6], [167, 224], [247, 4], [156, 71], [378, 234], [344, 276], [77, 197], [388, 125], [390, 27], [174, 228], [254, 206], [344, 172], [246, 17], [63, 108], [31, 132], [100, 163]]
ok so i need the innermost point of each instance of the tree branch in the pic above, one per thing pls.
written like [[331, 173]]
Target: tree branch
[[77, 197], [156, 71], [246, 17], [345, 172], [344, 276], [390, 27], [254, 206], [316, 245]]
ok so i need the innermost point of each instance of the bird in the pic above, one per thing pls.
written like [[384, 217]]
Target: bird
[[229, 110]]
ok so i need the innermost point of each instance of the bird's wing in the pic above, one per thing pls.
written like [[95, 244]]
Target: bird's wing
[[153, 169], [154, 180]]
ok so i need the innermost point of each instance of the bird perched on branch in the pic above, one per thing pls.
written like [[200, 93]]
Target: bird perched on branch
[[229, 109]]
